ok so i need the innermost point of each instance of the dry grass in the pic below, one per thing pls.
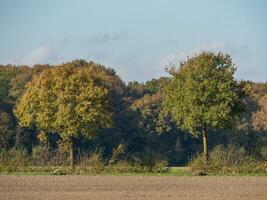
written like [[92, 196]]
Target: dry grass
[[229, 160]]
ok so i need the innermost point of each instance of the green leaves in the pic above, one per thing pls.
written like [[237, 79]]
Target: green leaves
[[203, 91]]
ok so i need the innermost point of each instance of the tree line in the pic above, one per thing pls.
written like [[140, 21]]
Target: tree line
[[81, 106]]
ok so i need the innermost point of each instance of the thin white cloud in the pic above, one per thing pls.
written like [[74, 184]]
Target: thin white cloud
[[39, 55], [241, 56], [176, 58]]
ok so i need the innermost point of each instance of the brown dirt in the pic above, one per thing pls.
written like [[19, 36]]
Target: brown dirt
[[132, 187]]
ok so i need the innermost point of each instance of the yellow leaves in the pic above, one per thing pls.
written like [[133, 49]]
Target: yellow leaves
[[67, 99], [42, 136]]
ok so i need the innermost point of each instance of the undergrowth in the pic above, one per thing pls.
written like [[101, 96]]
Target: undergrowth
[[228, 160], [54, 162]]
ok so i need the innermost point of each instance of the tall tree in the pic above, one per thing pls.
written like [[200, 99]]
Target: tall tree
[[203, 94], [69, 100]]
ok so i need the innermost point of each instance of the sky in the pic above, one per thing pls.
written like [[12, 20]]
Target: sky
[[138, 38]]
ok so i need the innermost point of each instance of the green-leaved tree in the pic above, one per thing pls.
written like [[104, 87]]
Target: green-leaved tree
[[203, 94]]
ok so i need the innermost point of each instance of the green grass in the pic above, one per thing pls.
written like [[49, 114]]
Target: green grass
[[172, 171], [33, 170]]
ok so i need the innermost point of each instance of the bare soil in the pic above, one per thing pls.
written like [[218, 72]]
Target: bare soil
[[132, 187]]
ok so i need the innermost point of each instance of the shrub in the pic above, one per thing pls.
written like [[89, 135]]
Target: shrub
[[228, 160], [14, 159], [153, 160], [92, 163], [117, 154], [42, 156], [160, 166]]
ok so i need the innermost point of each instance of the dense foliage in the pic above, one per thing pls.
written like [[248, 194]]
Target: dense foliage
[[136, 128]]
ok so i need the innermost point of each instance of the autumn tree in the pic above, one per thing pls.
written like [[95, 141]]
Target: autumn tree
[[203, 94], [151, 118], [70, 100], [252, 124]]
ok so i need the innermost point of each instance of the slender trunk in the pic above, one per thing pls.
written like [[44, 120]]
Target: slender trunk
[[71, 155], [205, 145]]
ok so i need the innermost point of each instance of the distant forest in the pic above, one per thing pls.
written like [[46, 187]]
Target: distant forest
[[136, 120]]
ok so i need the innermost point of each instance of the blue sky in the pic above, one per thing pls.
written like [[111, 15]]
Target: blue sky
[[138, 38]]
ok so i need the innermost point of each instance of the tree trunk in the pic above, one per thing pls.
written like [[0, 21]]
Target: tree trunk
[[205, 145], [71, 155]]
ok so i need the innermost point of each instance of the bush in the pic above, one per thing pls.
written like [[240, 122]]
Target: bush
[[42, 156], [160, 166], [228, 160], [11, 161], [92, 163], [127, 167], [151, 160], [117, 154]]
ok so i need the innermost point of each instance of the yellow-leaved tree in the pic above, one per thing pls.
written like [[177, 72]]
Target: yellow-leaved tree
[[70, 100]]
